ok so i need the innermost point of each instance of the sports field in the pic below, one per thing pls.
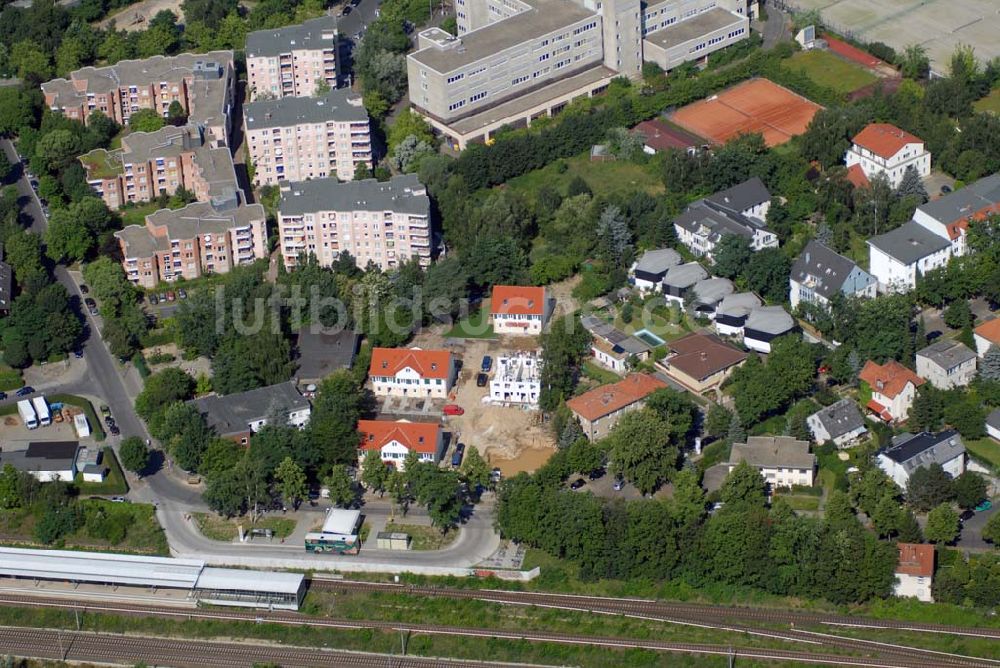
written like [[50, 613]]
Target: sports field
[[758, 105], [831, 71]]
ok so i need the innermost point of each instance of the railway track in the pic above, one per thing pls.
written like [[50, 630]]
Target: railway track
[[653, 609], [114, 648], [870, 653]]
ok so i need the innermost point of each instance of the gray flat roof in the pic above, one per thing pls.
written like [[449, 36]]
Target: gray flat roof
[[518, 104], [993, 419], [342, 105], [402, 194], [909, 243], [306, 35], [322, 353], [99, 567], [685, 275], [341, 521], [544, 17], [233, 413], [658, 261], [712, 290], [693, 28], [966, 201], [742, 196], [947, 353], [234, 579], [738, 305], [770, 320]]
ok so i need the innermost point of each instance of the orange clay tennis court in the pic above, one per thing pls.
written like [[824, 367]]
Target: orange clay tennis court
[[758, 105]]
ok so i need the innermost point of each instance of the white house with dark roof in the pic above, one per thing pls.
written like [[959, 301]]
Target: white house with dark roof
[[613, 348], [908, 452], [819, 274], [732, 312], [648, 271], [783, 461], [993, 424], [840, 423], [740, 210], [898, 257], [764, 325], [679, 280], [238, 416], [948, 217], [707, 294], [947, 363]]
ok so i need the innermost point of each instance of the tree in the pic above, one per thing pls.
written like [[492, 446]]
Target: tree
[[209, 12], [927, 411], [176, 115], [912, 185], [731, 255], [744, 486], [146, 120], [969, 489], [736, 433], [614, 240], [335, 413], [16, 110], [58, 148], [408, 124], [10, 488], [475, 470], [407, 154], [929, 486], [570, 434], [641, 451], [718, 420], [989, 368], [577, 186], [341, 487], [767, 274], [437, 489], [134, 454], [942, 524], [162, 389], [187, 436], [563, 346], [958, 314], [290, 481], [991, 531], [623, 144], [67, 237], [375, 472], [914, 62], [5, 168]]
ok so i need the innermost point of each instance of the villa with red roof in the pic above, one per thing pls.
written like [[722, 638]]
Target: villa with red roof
[[986, 335], [881, 148], [915, 571], [893, 389], [516, 309], [393, 440], [411, 372]]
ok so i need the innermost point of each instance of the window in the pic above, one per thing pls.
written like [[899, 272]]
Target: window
[[456, 77], [478, 96], [544, 56], [456, 105]]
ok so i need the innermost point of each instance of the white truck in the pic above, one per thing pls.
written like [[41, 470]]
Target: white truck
[[81, 425], [42, 411], [27, 414]]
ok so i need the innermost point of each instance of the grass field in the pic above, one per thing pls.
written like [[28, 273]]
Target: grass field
[[476, 326], [114, 483], [989, 103], [598, 373], [424, 537], [214, 527], [604, 178], [136, 215], [828, 70], [985, 449]]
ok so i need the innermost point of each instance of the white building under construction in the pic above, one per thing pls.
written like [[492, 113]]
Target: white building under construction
[[517, 380]]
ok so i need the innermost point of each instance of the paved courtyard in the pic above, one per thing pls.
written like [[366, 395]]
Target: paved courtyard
[[938, 25]]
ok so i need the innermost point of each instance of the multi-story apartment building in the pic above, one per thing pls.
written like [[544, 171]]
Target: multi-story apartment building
[[381, 222], [949, 216], [881, 148], [600, 409], [294, 60], [740, 210], [299, 138], [516, 60], [150, 164], [202, 238], [897, 258], [204, 85], [411, 372]]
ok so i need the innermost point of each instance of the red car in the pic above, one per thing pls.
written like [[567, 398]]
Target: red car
[[453, 409]]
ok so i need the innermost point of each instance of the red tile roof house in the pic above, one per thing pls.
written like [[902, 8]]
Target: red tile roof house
[[893, 389], [394, 440], [881, 148], [986, 335], [600, 409], [411, 372], [949, 216], [915, 571], [516, 309]]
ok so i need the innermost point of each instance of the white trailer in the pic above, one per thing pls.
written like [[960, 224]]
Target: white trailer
[[42, 411], [81, 425], [27, 414]]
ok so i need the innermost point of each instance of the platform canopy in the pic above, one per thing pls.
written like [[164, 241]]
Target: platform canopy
[[234, 579], [100, 568]]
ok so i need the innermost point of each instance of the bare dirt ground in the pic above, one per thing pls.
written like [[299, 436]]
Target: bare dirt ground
[[562, 292], [195, 367], [137, 16], [512, 439]]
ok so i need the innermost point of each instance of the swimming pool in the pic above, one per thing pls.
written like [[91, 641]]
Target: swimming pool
[[649, 337]]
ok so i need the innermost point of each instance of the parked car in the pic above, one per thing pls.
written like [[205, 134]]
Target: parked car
[[496, 475], [487, 363], [182, 294], [114, 430], [154, 300], [619, 484], [119, 499], [578, 483], [163, 296], [966, 515], [945, 189], [105, 410], [597, 474], [91, 305], [456, 457], [78, 353], [34, 184], [84, 289], [984, 506], [482, 379], [347, 10], [453, 409], [171, 296], [3, 395], [25, 391]]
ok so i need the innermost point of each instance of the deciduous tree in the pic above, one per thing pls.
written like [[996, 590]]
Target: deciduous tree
[[134, 454], [942, 524], [290, 481]]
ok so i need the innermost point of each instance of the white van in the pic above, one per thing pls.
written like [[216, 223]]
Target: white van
[[27, 414]]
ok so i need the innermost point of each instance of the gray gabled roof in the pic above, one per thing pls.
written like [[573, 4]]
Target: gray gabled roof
[[909, 242], [911, 451], [966, 201], [773, 452], [343, 105], [822, 269], [685, 275], [947, 353], [658, 261], [993, 419], [840, 418], [233, 413], [307, 35], [742, 196], [716, 221], [711, 291], [738, 305], [321, 353]]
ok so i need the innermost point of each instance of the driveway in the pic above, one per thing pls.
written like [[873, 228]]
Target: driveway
[[972, 538]]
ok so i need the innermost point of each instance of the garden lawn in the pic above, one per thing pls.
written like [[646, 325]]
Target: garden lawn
[[826, 69], [214, 527], [476, 326], [424, 537], [114, 483], [985, 449], [598, 373], [990, 103], [604, 178], [136, 215]]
